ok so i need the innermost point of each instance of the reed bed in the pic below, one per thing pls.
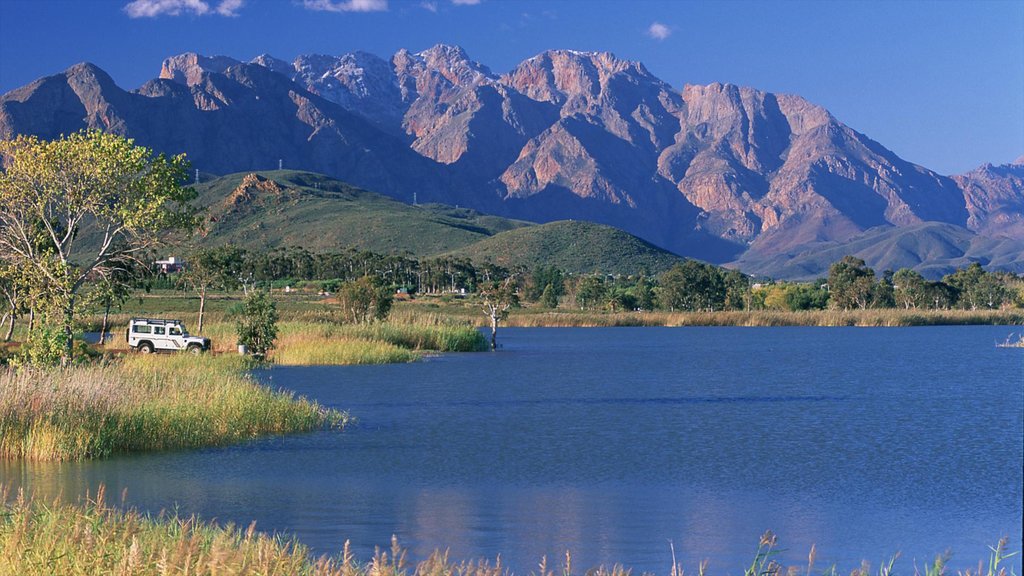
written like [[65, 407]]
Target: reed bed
[[144, 403], [92, 537], [766, 318], [331, 343]]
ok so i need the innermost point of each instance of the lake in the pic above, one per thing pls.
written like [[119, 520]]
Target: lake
[[620, 444]]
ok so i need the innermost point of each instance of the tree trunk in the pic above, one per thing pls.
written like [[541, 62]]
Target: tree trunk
[[494, 331], [7, 317], [202, 309], [69, 318], [10, 329], [31, 318], [106, 318]]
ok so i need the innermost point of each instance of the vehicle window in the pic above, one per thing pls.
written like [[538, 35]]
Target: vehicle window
[[140, 329], [174, 331], [158, 330]]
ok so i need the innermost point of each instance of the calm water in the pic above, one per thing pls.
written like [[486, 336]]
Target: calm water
[[612, 443]]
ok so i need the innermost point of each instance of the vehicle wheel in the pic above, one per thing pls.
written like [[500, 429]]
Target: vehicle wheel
[[195, 349], [145, 348]]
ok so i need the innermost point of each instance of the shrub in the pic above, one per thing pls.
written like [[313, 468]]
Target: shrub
[[257, 324]]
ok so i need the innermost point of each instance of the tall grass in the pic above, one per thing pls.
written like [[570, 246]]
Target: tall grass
[[331, 343], [39, 538], [144, 403]]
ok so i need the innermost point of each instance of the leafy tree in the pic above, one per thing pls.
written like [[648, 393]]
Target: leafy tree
[[737, 290], [52, 192], [692, 285], [499, 298], [209, 269], [589, 292], [256, 325], [909, 289], [643, 293], [365, 300], [850, 283], [548, 298], [976, 288], [112, 290]]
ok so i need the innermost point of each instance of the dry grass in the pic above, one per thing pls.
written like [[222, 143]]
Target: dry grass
[[144, 403], [872, 317], [39, 538]]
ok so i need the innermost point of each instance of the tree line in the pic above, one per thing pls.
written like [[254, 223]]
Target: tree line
[[81, 217]]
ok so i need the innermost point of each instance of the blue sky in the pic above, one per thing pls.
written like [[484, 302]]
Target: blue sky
[[939, 83]]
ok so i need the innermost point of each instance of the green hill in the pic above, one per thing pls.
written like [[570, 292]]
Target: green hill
[[573, 246], [267, 209]]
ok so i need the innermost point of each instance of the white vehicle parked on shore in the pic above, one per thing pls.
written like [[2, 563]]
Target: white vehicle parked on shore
[[148, 335]]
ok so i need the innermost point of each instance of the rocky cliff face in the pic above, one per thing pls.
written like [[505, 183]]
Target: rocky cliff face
[[712, 171], [995, 199]]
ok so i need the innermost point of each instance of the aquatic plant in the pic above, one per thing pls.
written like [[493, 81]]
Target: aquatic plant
[[93, 537]]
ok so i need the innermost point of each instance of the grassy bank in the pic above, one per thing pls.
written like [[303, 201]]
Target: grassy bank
[[144, 403], [532, 316], [93, 538]]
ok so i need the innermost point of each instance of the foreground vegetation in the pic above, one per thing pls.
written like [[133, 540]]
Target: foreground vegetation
[[144, 403], [39, 538]]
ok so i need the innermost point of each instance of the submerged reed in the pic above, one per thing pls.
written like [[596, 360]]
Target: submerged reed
[[144, 403], [38, 538]]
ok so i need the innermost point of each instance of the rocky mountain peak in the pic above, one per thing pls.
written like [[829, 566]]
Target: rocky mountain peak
[[188, 68], [273, 64], [560, 75]]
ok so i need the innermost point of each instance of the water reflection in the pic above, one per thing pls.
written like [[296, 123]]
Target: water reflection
[[614, 443]]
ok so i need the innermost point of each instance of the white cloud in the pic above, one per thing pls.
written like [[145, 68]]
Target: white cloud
[[465, 2], [346, 5], [429, 6], [229, 7], [659, 31], [154, 8]]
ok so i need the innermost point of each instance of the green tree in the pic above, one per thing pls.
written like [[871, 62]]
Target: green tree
[[693, 286], [89, 184], [209, 269], [365, 300], [548, 298], [112, 291], [909, 289], [589, 292], [850, 283], [256, 324], [975, 288]]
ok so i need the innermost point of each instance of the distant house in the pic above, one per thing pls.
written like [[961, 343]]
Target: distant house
[[169, 265]]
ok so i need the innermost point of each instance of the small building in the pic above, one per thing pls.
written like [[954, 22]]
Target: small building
[[169, 265]]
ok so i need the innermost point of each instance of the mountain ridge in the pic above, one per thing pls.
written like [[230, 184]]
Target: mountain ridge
[[719, 172]]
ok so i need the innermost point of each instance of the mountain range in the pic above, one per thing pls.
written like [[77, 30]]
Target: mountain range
[[768, 182]]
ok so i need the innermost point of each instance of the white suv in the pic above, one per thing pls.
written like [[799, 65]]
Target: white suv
[[147, 335]]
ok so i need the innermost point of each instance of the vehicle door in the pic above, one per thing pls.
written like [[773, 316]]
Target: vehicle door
[[175, 337], [160, 339]]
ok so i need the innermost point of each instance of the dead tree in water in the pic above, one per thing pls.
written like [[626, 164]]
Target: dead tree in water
[[498, 300]]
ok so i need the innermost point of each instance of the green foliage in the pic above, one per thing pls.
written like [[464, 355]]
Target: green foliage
[[975, 288], [692, 286], [365, 300], [590, 292], [256, 325], [850, 283], [44, 348], [910, 289], [57, 195], [548, 298]]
